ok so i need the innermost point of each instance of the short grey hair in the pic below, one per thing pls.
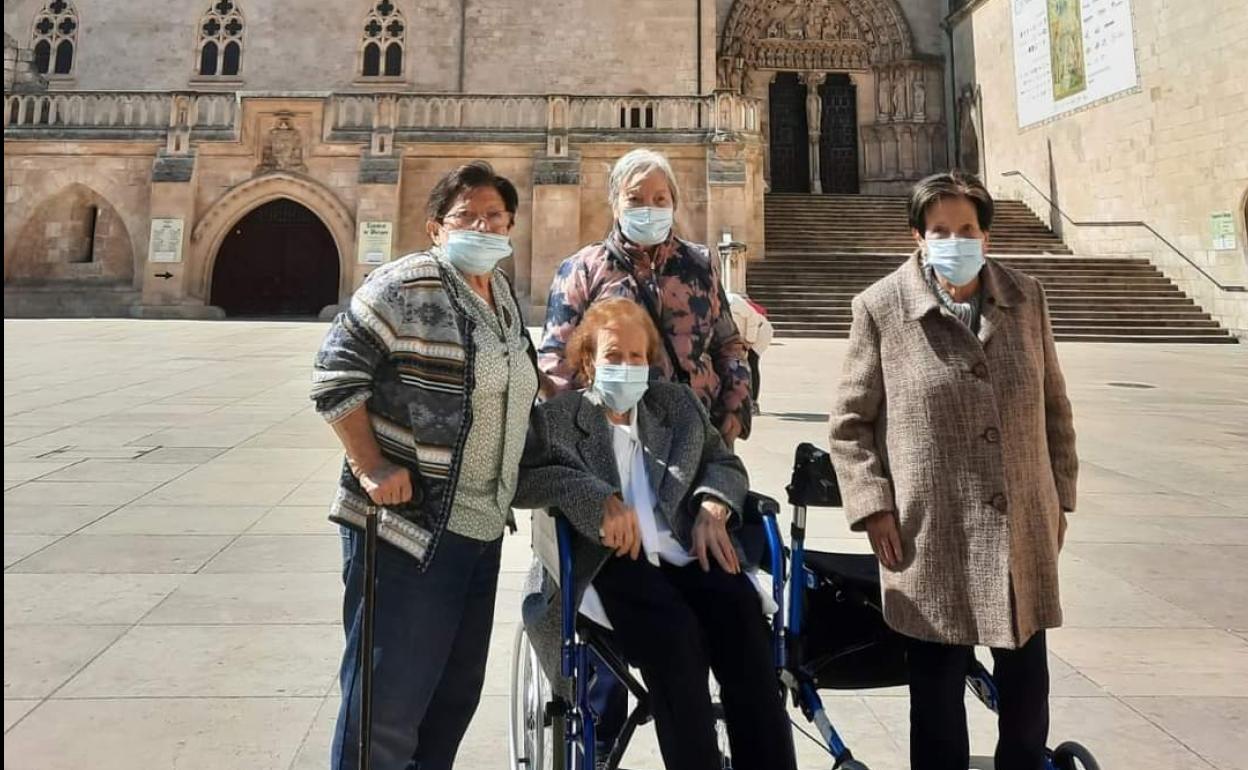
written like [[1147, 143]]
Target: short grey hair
[[640, 162]]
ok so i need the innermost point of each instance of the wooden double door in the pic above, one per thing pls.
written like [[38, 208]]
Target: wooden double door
[[790, 144], [278, 260]]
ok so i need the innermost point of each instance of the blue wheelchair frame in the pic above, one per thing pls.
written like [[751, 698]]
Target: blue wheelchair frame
[[579, 744], [813, 484]]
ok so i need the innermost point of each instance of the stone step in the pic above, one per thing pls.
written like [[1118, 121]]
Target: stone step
[[905, 250], [1057, 300], [824, 250], [1179, 325], [832, 270], [1135, 337]]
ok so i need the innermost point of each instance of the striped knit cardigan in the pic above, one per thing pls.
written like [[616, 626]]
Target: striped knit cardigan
[[404, 348]]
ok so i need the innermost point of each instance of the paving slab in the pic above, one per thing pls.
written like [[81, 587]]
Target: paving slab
[[124, 553], [82, 599], [214, 661], [39, 659], [221, 649], [186, 734]]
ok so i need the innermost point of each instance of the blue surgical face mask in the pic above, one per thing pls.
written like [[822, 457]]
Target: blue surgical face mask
[[957, 260], [621, 385], [475, 253], [646, 225]]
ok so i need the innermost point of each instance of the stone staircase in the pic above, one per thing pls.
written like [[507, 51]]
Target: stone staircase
[[823, 250]]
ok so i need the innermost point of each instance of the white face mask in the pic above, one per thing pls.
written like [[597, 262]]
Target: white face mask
[[621, 385], [475, 253], [957, 260], [646, 225]]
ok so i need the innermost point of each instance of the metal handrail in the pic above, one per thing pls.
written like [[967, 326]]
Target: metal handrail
[[1126, 223]]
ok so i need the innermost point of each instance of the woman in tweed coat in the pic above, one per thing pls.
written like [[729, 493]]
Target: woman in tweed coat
[[953, 441]]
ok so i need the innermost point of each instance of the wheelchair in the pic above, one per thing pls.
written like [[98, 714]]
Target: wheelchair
[[830, 636]]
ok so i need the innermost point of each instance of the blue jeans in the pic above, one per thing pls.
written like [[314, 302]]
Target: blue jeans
[[431, 636]]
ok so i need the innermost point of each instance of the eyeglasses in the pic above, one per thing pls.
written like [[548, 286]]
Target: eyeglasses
[[494, 220]]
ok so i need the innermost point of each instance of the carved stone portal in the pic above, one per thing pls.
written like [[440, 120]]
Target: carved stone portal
[[813, 35], [283, 151]]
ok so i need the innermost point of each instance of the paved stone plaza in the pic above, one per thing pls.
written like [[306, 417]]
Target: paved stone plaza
[[172, 586]]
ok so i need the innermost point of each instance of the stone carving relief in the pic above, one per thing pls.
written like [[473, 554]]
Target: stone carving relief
[[899, 97], [811, 35], [283, 150]]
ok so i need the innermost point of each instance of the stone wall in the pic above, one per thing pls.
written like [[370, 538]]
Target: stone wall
[[46, 213], [587, 46], [509, 46], [74, 235], [282, 151], [1171, 153]]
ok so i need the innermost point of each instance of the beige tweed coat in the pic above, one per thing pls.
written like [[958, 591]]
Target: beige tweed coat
[[971, 443]]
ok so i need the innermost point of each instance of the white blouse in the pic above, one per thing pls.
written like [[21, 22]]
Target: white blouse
[[657, 541]]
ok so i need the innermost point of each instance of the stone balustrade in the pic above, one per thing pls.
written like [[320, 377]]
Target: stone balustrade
[[449, 113], [134, 111], [117, 114]]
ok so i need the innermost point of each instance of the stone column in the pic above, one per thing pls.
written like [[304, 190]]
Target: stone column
[[733, 204], [556, 216], [814, 125], [165, 285], [379, 182]]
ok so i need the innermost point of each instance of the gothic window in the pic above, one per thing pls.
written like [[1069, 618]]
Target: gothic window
[[221, 40], [56, 38], [381, 54]]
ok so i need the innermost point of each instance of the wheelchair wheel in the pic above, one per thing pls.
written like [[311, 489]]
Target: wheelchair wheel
[[1074, 756], [534, 744]]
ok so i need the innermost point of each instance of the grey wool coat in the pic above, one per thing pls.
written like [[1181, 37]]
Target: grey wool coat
[[969, 439], [569, 464]]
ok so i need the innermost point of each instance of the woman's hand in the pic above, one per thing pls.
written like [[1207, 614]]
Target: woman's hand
[[730, 429], [885, 538], [710, 533], [385, 483], [620, 529]]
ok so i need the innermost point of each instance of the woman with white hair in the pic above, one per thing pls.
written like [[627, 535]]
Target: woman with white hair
[[674, 280]]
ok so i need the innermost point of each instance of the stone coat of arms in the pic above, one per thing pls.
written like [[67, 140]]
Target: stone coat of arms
[[284, 149]]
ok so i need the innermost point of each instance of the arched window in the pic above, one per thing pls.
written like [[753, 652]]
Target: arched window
[[55, 39], [381, 50], [221, 40]]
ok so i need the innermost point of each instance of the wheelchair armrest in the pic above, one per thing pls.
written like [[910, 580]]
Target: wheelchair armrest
[[758, 506]]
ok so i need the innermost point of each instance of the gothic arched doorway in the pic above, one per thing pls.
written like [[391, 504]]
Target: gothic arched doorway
[[279, 259]]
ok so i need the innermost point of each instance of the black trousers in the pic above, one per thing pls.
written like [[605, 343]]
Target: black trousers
[[938, 736], [677, 624]]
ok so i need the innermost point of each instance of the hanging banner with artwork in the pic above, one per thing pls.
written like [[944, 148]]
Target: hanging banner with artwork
[[1069, 54]]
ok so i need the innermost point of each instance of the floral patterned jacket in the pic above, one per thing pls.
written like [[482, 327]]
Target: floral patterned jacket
[[693, 309]]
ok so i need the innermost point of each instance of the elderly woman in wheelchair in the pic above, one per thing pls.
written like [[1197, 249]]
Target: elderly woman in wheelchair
[[653, 498]]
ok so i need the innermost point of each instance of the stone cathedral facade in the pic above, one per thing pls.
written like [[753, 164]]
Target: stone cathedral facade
[[209, 158], [200, 158]]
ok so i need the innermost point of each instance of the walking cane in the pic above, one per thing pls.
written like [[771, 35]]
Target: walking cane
[[366, 638]]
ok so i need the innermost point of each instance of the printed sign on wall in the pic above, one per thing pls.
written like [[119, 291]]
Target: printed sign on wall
[[1069, 54], [374, 242], [165, 244], [1223, 230]]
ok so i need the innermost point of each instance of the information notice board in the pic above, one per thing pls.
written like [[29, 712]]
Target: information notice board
[[1069, 54]]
